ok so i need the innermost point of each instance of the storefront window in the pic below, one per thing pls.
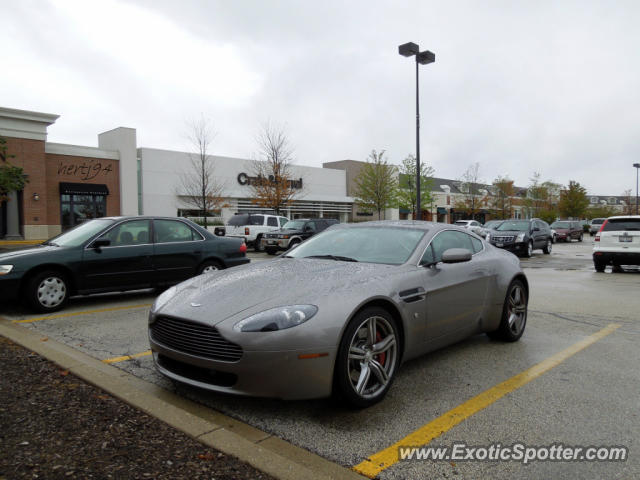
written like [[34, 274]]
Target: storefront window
[[75, 209]]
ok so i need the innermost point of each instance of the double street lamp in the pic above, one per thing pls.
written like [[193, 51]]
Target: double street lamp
[[637, 165], [422, 58]]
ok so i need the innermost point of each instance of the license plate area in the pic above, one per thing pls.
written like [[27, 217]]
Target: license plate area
[[625, 239]]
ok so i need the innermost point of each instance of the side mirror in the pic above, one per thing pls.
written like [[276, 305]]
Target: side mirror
[[101, 242], [456, 255]]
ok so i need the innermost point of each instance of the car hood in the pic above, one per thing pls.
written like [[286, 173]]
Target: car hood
[[212, 298], [286, 231], [14, 255]]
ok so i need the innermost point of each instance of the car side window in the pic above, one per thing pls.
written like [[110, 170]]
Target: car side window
[[134, 232], [310, 226], [272, 221], [283, 220], [450, 239], [169, 231], [477, 244]]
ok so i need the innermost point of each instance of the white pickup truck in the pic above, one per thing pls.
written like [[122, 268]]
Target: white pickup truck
[[251, 227]]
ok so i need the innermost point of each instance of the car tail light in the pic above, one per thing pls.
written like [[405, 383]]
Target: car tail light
[[243, 248], [597, 239], [246, 230]]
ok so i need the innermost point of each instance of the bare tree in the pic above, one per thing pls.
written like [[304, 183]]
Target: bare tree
[[629, 203], [272, 183], [474, 193], [199, 187]]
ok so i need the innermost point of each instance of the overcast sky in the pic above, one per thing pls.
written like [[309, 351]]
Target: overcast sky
[[519, 86]]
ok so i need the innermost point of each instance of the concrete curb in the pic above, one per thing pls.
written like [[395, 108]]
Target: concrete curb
[[261, 450]]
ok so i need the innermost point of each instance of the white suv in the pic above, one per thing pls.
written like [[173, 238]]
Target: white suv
[[252, 226], [617, 243]]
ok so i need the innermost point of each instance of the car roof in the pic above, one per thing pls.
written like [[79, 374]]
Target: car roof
[[413, 224], [630, 217]]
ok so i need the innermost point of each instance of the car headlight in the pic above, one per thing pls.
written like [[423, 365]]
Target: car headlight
[[520, 237], [4, 269], [278, 318]]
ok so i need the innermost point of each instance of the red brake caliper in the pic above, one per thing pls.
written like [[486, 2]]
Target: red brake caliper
[[383, 356]]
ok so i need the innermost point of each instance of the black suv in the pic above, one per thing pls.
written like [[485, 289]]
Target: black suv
[[522, 237], [293, 232]]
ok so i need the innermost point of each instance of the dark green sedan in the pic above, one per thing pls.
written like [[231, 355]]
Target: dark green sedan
[[114, 254]]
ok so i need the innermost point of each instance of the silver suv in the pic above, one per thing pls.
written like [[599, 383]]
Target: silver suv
[[617, 243]]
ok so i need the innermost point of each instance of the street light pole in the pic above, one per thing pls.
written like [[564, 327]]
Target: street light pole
[[408, 50], [637, 165]]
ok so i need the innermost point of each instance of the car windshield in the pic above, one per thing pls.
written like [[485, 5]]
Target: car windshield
[[294, 224], [492, 224], [362, 244], [519, 225], [560, 225], [80, 234]]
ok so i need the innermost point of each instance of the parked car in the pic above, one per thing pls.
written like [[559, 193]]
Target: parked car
[[468, 223], [566, 230], [522, 237], [595, 225], [252, 227], [487, 227], [294, 232], [339, 313], [114, 254], [617, 243]]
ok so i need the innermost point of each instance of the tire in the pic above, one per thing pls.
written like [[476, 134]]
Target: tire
[[547, 248], [554, 239], [529, 251], [271, 251], [47, 291], [617, 269], [514, 314], [257, 244], [209, 266], [580, 237], [599, 266], [362, 377], [293, 243]]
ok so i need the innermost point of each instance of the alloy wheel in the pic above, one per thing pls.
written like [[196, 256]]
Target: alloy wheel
[[516, 309], [372, 357]]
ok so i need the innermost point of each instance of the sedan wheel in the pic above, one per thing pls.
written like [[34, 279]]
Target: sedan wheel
[[209, 267], [547, 248], [514, 314], [47, 291], [368, 357], [529, 250]]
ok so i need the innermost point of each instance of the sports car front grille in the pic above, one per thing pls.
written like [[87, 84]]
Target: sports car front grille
[[502, 239], [194, 339]]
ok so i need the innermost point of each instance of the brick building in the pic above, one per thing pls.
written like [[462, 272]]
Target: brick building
[[65, 183]]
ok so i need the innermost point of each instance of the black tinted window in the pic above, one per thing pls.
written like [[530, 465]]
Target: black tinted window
[[622, 225], [256, 220], [272, 221], [238, 220], [169, 231]]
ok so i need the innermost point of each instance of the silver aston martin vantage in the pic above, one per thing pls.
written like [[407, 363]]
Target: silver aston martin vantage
[[339, 313]]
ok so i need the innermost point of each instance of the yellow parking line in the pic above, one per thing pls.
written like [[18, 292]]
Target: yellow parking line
[[382, 460], [86, 312], [126, 357]]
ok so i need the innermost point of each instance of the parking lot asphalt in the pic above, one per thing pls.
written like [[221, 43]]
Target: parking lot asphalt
[[585, 397]]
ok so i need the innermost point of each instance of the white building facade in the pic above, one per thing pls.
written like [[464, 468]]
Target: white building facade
[[159, 192]]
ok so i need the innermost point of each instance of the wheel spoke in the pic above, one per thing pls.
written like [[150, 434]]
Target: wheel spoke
[[365, 373], [371, 331], [379, 372], [356, 353], [384, 345]]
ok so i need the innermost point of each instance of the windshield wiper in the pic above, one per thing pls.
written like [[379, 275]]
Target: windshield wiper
[[334, 257]]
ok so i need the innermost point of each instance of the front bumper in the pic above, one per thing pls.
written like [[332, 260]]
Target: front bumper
[[616, 258], [516, 248], [277, 243], [277, 374]]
